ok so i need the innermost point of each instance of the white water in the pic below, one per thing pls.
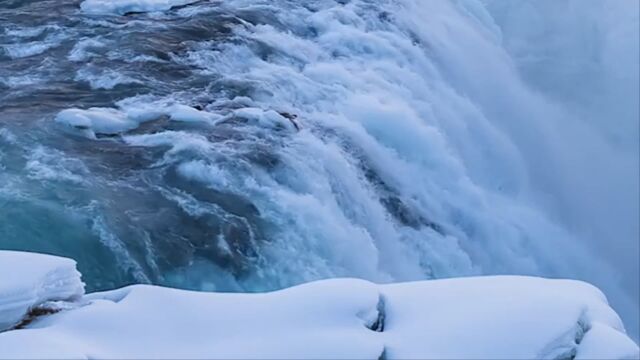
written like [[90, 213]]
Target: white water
[[518, 134], [438, 139]]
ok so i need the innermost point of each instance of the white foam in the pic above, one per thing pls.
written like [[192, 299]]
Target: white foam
[[186, 113], [32, 48], [442, 112], [82, 49], [104, 79], [47, 164], [29, 32]]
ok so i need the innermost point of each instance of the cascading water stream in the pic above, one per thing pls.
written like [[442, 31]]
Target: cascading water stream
[[249, 145]]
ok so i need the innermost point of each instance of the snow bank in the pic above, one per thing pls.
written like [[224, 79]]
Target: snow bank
[[487, 317], [121, 7], [505, 317], [94, 121], [320, 320], [28, 280]]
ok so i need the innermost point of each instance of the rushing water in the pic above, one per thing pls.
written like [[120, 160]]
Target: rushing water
[[389, 140]]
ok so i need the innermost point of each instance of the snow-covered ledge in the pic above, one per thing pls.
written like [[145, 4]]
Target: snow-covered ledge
[[485, 317], [122, 7]]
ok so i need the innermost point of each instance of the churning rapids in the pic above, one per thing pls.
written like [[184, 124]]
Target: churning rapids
[[247, 145]]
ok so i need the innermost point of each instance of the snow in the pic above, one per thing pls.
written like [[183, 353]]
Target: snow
[[28, 280], [121, 7], [96, 120], [505, 317], [603, 342], [154, 322], [112, 121], [186, 113], [495, 317]]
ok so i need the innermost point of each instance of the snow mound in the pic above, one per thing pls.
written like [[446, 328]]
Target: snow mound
[[94, 121], [28, 280], [505, 317], [108, 121], [121, 7], [319, 320]]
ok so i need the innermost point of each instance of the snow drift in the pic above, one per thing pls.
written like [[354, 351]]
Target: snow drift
[[504, 317], [437, 139], [28, 280]]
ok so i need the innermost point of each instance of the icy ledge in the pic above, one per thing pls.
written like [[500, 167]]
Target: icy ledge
[[486, 317]]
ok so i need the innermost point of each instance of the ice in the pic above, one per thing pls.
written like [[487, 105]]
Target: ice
[[29, 49], [112, 121], [499, 317], [20, 81], [94, 121], [29, 32], [48, 164], [121, 7], [437, 100], [28, 280], [7, 136]]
